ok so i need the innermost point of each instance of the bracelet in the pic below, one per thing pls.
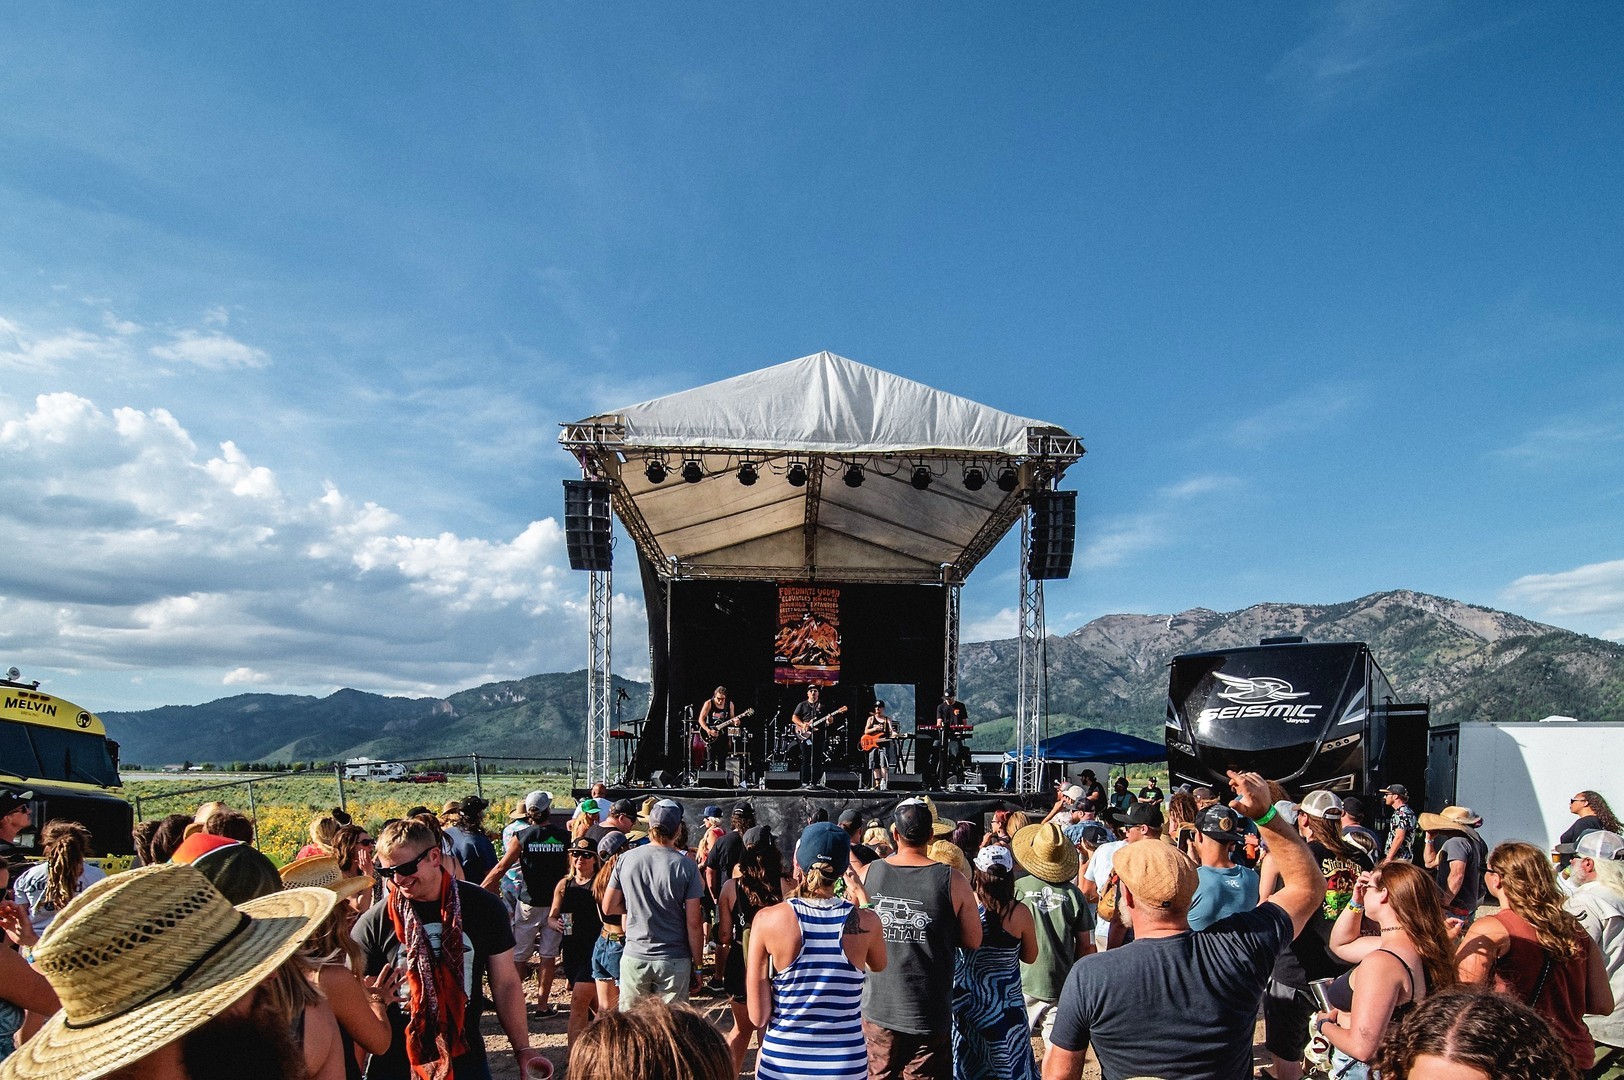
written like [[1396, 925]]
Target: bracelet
[[1354, 907], [1266, 818]]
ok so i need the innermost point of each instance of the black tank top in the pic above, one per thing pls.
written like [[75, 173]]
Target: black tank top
[[914, 994]]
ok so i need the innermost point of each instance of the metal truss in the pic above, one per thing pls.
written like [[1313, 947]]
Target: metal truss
[[599, 684], [1031, 723], [950, 655]]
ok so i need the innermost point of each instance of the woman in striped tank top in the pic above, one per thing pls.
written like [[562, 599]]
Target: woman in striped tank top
[[805, 969]]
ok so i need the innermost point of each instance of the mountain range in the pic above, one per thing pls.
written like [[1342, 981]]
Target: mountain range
[[1472, 663]]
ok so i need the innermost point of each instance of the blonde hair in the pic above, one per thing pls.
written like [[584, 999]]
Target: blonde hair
[[331, 943], [322, 831], [288, 991], [1529, 883], [817, 881], [652, 1039], [66, 845]]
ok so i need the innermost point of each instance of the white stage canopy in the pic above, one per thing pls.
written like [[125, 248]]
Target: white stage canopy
[[827, 415]]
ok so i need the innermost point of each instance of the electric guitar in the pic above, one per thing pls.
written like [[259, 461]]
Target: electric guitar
[[719, 730], [877, 739], [805, 729]]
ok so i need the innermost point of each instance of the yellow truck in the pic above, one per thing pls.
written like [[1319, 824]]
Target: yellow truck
[[59, 756]]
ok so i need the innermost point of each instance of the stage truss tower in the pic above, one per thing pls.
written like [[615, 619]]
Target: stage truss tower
[[1030, 721], [600, 691]]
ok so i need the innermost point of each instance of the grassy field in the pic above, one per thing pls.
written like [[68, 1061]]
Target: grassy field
[[283, 806]]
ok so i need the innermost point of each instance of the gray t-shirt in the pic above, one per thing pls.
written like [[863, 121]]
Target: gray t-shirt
[[657, 882], [1461, 849]]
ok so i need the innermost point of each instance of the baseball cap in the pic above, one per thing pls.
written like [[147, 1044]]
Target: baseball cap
[[1074, 793], [1158, 874], [613, 843], [10, 801], [1138, 814], [1600, 844], [590, 807], [1321, 804], [744, 810], [850, 817], [581, 843], [537, 801], [1396, 789], [713, 811], [1220, 823], [824, 843], [914, 821], [994, 855], [624, 807], [665, 815], [756, 835]]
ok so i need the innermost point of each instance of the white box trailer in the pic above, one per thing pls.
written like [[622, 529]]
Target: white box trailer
[[1519, 775]]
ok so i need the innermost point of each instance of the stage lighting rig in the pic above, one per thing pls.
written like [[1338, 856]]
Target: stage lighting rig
[[692, 472], [1008, 479], [921, 477], [974, 478], [796, 474], [854, 476], [747, 473], [655, 471]]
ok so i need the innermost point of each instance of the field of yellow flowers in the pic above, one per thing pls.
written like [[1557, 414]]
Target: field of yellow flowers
[[284, 806]]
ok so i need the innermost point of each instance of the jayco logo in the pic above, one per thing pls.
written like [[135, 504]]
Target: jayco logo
[[1260, 697]]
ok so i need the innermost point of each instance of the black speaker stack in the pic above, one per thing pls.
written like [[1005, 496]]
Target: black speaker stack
[[1054, 534], [587, 532]]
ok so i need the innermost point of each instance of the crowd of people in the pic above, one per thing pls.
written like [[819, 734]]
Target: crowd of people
[[1150, 931]]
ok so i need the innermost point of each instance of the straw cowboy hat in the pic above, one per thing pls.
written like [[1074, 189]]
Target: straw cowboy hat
[[1450, 819], [1043, 851], [322, 872], [142, 958], [948, 853], [938, 826]]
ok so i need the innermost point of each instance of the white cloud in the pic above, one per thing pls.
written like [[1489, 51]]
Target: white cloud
[[1589, 598], [999, 626], [131, 548], [1123, 538], [1300, 414], [212, 351]]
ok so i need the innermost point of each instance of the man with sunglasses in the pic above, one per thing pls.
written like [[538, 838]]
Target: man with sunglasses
[[440, 934]]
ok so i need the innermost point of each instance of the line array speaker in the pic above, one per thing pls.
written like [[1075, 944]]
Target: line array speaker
[[1054, 534], [587, 527]]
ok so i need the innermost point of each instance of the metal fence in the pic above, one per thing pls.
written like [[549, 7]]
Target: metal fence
[[480, 768]]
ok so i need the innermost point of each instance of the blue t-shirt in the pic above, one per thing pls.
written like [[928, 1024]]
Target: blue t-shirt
[[1222, 893], [1206, 988]]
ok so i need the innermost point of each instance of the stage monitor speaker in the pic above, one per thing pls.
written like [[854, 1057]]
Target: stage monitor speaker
[[714, 779], [664, 778], [841, 780], [781, 779], [907, 781], [587, 527], [1054, 534]]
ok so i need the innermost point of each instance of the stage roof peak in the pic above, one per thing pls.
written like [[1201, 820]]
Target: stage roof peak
[[826, 414]]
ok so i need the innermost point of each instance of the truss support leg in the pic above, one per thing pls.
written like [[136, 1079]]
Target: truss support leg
[[599, 686], [1031, 721], [950, 655]]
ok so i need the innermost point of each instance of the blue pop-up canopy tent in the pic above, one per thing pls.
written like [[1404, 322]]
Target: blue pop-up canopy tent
[[1098, 744]]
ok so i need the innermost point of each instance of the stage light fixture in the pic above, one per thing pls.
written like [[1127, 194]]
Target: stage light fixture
[[747, 473], [692, 472], [1008, 479], [921, 477], [854, 476], [796, 474], [974, 478], [655, 472]]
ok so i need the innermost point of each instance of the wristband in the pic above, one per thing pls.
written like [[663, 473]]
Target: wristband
[[1266, 818], [1354, 907]]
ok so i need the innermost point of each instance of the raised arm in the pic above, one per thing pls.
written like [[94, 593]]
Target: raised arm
[[1303, 888], [510, 856]]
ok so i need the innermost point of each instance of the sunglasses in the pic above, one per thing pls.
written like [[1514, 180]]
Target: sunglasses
[[369, 842], [405, 869], [583, 854], [1496, 871]]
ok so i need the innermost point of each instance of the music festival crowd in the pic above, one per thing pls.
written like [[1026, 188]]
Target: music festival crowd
[[1141, 934]]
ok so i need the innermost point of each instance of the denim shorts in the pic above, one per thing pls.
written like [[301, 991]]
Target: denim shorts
[[606, 959]]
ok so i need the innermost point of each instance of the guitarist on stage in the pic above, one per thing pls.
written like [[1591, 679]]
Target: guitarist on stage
[[716, 716], [879, 733], [811, 727]]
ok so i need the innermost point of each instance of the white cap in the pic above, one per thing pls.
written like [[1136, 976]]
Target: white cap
[[537, 801], [1599, 844], [994, 855], [1074, 793], [1321, 804]]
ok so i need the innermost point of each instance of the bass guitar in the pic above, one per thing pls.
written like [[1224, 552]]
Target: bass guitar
[[876, 740], [721, 729], [804, 731]]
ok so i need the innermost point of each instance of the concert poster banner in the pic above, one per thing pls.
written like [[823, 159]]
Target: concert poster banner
[[806, 649]]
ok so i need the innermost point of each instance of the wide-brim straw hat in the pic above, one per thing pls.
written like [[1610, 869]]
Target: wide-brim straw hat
[[949, 854], [143, 958], [1445, 822], [938, 827], [1043, 851], [323, 872]]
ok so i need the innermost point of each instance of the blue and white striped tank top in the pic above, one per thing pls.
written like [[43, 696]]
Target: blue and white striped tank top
[[817, 1021]]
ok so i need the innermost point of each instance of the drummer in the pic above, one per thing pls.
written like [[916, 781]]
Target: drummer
[[717, 718]]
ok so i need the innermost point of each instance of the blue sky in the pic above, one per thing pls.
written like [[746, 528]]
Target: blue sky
[[292, 300]]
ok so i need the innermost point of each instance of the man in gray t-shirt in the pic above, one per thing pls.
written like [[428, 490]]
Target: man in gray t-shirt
[[657, 888]]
